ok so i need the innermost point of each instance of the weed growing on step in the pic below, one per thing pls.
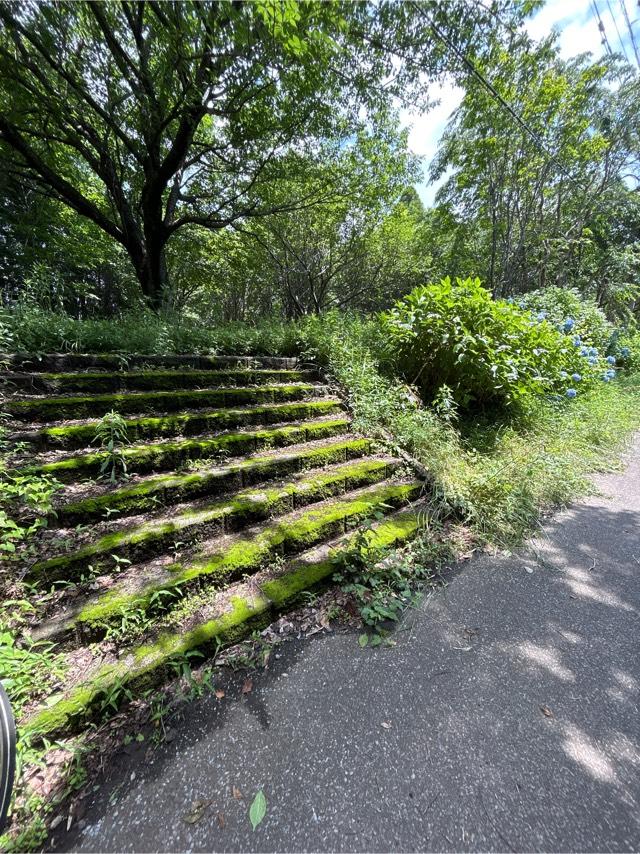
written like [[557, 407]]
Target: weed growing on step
[[25, 499], [384, 586], [111, 435]]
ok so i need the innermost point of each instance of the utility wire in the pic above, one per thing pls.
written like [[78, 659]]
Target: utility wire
[[603, 39], [630, 28], [615, 24], [471, 66]]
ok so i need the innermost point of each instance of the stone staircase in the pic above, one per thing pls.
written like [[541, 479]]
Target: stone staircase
[[244, 479]]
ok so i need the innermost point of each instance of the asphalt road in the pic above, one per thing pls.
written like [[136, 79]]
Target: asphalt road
[[505, 719]]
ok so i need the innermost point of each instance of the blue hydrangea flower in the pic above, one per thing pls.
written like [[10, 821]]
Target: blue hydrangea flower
[[569, 324], [611, 360], [610, 373], [584, 351], [541, 315], [593, 351], [577, 341], [592, 360], [576, 377], [605, 377], [624, 352], [564, 374], [571, 392]]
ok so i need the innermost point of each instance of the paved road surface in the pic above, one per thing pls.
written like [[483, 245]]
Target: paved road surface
[[470, 761]]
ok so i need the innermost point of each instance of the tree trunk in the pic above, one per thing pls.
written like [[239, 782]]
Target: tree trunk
[[150, 264]]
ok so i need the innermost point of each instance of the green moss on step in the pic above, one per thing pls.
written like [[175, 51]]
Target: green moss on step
[[147, 663], [171, 488], [93, 406], [81, 435], [145, 458], [153, 380], [249, 505], [305, 575], [243, 556]]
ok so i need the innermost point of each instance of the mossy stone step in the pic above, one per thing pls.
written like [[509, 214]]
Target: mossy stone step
[[99, 383], [147, 664], [168, 455], [168, 489], [245, 507], [140, 590], [60, 362], [96, 405], [187, 424]]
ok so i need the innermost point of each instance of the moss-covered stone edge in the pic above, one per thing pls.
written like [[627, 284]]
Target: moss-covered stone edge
[[245, 507], [145, 665], [150, 380], [94, 406], [285, 537], [190, 423], [153, 457], [170, 488]]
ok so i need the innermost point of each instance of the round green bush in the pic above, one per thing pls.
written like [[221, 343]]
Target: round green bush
[[488, 352]]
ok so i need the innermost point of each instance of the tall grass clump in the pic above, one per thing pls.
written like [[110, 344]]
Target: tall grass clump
[[351, 350], [29, 329], [511, 473]]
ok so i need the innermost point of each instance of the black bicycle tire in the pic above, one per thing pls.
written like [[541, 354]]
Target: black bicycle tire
[[7, 754]]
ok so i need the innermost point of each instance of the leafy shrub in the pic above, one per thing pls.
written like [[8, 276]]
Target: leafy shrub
[[571, 313], [625, 347], [351, 349], [486, 351]]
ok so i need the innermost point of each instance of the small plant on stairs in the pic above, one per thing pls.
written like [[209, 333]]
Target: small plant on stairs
[[111, 433]]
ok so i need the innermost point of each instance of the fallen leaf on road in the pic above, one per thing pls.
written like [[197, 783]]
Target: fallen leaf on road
[[221, 820], [237, 794], [386, 724], [248, 686], [219, 693], [546, 711], [196, 812], [258, 809]]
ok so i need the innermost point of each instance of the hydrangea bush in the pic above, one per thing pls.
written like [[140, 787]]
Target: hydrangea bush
[[489, 352], [571, 313]]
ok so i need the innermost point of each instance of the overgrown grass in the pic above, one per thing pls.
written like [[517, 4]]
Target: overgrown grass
[[498, 476], [32, 330], [509, 474]]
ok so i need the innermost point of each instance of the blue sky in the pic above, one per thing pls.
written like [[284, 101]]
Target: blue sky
[[574, 20]]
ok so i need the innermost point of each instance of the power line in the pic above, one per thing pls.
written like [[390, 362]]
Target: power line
[[615, 24], [603, 38], [630, 28], [471, 66]]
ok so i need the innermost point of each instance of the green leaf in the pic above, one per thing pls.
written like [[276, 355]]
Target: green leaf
[[363, 640], [258, 809]]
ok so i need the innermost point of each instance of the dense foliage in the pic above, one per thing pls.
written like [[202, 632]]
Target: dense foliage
[[487, 351]]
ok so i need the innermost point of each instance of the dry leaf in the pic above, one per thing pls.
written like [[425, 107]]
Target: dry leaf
[[248, 686], [546, 711], [386, 724], [237, 794], [196, 812], [219, 693], [221, 820]]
